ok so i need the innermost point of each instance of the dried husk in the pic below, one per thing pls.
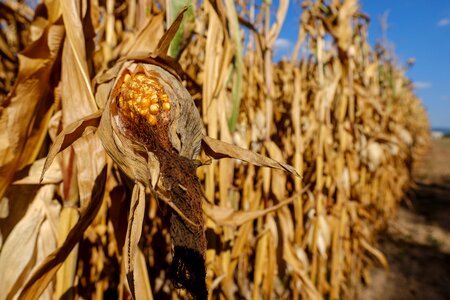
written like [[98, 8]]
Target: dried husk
[[185, 133]]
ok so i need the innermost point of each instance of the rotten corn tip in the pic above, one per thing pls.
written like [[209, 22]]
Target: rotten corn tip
[[142, 96]]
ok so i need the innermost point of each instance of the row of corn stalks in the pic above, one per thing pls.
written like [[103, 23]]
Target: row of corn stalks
[[344, 115]]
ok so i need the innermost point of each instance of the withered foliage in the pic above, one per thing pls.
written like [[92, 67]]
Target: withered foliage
[[107, 186]]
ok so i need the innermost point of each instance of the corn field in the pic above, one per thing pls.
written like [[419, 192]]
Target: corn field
[[119, 124]]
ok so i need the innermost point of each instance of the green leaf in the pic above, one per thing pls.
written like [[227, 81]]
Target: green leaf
[[174, 8]]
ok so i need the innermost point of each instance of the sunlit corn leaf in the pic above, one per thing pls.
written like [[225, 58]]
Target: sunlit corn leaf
[[229, 217], [218, 149], [28, 97]]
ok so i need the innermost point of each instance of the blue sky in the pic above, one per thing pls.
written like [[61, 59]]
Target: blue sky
[[418, 29]]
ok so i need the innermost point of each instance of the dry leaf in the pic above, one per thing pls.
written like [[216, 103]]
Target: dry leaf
[[229, 217], [27, 98], [42, 276], [17, 257], [68, 136], [218, 149]]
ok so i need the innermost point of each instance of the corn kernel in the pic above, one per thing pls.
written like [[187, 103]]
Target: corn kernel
[[154, 108], [164, 98], [145, 101], [166, 106], [130, 103], [152, 120], [127, 77], [154, 98]]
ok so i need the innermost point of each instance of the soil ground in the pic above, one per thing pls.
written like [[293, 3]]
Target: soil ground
[[417, 242]]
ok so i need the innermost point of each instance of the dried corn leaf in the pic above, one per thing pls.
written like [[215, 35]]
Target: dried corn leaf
[[75, 52], [18, 111], [135, 222], [42, 276], [32, 175], [69, 135], [18, 255], [229, 217], [218, 149]]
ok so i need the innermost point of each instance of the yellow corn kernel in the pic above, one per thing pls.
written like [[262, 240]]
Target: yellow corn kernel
[[127, 77], [154, 108], [154, 98], [152, 120], [145, 101], [142, 110], [164, 98], [166, 106], [131, 103], [121, 101]]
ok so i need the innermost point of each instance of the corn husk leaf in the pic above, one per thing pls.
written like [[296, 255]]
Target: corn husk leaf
[[135, 222]]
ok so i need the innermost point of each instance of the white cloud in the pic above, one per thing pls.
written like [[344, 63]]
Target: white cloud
[[282, 45], [422, 85], [444, 22]]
